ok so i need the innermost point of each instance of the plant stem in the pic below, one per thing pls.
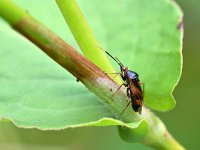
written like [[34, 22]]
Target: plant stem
[[82, 32], [14, 14], [84, 35], [88, 73]]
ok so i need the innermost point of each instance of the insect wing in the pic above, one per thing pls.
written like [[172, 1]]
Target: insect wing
[[135, 90]]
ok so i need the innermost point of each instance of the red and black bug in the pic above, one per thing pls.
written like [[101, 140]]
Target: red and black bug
[[132, 84]]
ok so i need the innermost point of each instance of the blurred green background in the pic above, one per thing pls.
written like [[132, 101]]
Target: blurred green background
[[182, 122]]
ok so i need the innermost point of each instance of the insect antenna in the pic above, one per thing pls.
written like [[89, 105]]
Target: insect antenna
[[119, 62], [114, 58]]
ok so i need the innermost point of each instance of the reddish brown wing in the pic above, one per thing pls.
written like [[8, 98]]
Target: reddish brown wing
[[137, 93], [136, 97]]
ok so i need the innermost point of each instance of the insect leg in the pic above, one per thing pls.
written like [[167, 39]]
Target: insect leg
[[119, 88], [125, 108], [128, 94], [115, 73], [141, 83]]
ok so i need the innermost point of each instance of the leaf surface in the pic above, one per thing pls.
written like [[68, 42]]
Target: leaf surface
[[37, 92]]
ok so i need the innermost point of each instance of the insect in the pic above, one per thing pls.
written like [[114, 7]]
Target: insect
[[132, 84]]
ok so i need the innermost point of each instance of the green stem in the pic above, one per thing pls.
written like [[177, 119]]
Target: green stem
[[80, 29], [84, 35], [10, 12], [88, 73]]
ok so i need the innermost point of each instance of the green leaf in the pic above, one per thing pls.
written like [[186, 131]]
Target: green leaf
[[36, 92], [146, 38], [133, 134]]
